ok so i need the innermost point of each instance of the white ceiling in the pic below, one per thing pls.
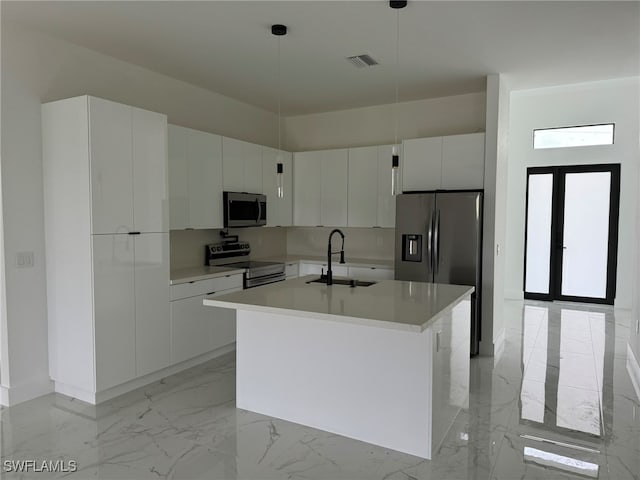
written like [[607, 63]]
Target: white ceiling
[[446, 48]]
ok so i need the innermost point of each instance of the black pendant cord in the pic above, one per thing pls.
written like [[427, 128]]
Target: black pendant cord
[[279, 100], [395, 108]]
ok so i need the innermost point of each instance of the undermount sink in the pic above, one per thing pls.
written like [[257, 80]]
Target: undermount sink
[[350, 282]]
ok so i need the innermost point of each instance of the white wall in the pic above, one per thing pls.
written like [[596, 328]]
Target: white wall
[[36, 69], [374, 125], [494, 221], [582, 104]]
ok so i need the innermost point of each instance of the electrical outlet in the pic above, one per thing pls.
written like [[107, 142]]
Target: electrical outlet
[[438, 334], [637, 325], [24, 259]]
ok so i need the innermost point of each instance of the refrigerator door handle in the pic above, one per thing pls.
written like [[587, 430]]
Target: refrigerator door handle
[[436, 243], [430, 242]]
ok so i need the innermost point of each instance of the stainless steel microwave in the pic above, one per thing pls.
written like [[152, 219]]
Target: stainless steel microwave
[[244, 209]]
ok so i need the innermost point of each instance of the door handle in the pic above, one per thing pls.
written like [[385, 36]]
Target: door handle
[[430, 243], [436, 242]]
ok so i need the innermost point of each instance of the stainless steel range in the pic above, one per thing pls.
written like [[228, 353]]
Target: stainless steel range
[[236, 255]]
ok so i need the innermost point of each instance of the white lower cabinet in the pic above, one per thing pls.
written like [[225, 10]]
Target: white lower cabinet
[[360, 273], [130, 287], [197, 329], [318, 268], [365, 273], [292, 270], [153, 327], [113, 310]]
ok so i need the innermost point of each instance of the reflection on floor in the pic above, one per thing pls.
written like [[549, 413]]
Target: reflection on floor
[[558, 404]]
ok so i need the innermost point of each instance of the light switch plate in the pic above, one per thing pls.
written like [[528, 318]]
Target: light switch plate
[[24, 259]]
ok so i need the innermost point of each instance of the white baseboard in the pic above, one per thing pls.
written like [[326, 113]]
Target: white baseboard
[[498, 346], [95, 398], [633, 367], [15, 394], [494, 348], [513, 294]]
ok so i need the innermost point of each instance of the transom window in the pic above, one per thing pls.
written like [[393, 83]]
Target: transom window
[[580, 136]]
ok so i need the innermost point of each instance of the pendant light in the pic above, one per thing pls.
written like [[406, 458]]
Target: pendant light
[[279, 31], [395, 159]]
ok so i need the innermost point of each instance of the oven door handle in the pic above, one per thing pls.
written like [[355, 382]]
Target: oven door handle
[[257, 281]]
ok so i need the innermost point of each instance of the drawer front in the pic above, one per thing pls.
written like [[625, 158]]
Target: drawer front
[[291, 270], [371, 272], [317, 269], [205, 287]]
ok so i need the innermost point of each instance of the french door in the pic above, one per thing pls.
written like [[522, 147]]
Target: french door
[[571, 233]]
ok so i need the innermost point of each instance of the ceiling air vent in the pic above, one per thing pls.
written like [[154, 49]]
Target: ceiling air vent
[[361, 61]]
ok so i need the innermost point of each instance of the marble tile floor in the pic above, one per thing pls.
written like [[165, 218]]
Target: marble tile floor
[[557, 404]]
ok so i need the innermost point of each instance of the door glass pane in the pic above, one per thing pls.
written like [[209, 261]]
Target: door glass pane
[[539, 232], [586, 234]]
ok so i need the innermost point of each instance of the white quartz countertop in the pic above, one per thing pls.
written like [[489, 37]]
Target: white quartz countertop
[[185, 275], [319, 259], [395, 304]]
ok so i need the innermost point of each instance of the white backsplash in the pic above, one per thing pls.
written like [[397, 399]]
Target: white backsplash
[[373, 243], [187, 246]]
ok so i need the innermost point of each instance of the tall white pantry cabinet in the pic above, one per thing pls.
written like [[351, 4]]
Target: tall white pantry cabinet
[[107, 244]]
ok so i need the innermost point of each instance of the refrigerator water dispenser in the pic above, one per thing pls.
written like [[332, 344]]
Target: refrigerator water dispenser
[[411, 248]]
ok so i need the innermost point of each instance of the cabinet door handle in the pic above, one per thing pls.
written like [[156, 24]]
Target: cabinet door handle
[[211, 293], [134, 233]]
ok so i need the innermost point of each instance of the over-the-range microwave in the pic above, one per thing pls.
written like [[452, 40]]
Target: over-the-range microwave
[[244, 209]]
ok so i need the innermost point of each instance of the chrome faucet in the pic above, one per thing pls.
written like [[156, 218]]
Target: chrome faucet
[[329, 253]]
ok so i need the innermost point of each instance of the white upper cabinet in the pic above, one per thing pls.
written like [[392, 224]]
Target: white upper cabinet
[[204, 155], [307, 173], [386, 214], [455, 162], [334, 172], [110, 141], [279, 210], [422, 164], [363, 186], [371, 203], [150, 182], [233, 164], [195, 178], [252, 168], [463, 161], [178, 178], [128, 158], [242, 166]]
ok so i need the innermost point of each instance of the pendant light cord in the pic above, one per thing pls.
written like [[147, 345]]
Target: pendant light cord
[[395, 110], [279, 98]]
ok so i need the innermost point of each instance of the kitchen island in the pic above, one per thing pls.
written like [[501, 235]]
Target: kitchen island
[[387, 364]]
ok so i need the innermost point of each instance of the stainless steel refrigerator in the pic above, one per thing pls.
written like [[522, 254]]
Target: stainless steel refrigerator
[[439, 239]]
